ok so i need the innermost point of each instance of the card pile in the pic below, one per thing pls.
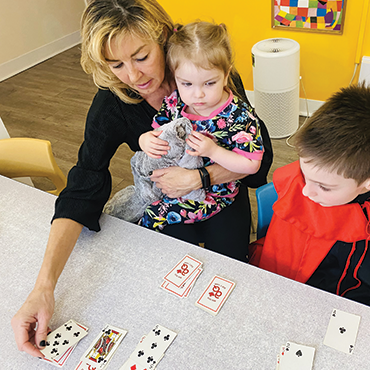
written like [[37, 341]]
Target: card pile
[[150, 349], [295, 356], [342, 331], [180, 279], [102, 349], [61, 342], [215, 295]]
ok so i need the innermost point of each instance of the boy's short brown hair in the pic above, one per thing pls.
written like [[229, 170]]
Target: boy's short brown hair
[[337, 136]]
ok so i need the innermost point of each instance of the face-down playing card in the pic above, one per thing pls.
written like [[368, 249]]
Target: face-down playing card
[[182, 271], [63, 338], [215, 295], [342, 331], [185, 288]]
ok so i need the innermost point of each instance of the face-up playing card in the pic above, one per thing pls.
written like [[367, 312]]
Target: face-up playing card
[[152, 348], [130, 364], [102, 349], [215, 295], [342, 331], [185, 288], [182, 271], [59, 361], [278, 357], [296, 356], [63, 338]]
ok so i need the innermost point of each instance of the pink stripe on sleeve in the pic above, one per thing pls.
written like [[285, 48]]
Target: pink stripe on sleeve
[[258, 154]]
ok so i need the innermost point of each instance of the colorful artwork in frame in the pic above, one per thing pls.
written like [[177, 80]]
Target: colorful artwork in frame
[[309, 15]]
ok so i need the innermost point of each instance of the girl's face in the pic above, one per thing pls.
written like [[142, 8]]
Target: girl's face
[[138, 63], [202, 90], [328, 188]]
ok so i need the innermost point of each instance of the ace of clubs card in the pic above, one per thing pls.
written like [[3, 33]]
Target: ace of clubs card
[[342, 331]]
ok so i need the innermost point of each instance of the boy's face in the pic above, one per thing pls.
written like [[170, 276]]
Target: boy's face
[[328, 188]]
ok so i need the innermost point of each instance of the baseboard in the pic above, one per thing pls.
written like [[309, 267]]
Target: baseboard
[[313, 105], [28, 60]]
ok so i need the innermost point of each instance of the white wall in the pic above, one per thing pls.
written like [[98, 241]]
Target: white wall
[[34, 30]]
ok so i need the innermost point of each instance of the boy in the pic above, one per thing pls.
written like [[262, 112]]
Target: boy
[[319, 233]]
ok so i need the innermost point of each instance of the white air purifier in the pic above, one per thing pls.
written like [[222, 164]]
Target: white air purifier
[[276, 85]]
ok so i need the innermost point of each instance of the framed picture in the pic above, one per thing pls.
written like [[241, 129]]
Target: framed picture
[[309, 15]]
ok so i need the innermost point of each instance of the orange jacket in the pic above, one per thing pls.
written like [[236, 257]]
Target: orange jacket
[[302, 232]]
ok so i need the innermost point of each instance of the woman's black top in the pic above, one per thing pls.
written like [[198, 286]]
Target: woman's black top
[[110, 123]]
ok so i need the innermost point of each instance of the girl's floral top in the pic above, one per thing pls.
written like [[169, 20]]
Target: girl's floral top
[[233, 126]]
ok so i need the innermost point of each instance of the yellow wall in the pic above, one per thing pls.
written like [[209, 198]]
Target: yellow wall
[[327, 60]]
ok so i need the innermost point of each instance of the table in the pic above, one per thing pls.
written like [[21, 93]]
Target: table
[[114, 276]]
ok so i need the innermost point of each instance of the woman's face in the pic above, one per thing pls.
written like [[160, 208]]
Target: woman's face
[[138, 63]]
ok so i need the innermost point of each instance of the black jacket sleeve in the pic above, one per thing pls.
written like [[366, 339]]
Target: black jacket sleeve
[[110, 122]]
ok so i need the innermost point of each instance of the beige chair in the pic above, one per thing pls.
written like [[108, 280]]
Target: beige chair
[[21, 157]]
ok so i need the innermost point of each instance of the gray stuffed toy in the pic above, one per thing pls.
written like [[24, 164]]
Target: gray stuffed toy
[[130, 203]]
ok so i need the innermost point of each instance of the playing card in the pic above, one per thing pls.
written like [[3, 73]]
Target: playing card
[[151, 350], [182, 271], [63, 338], [282, 349], [184, 290], [59, 361], [215, 295], [130, 364], [296, 356], [102, 349], [342, 331]]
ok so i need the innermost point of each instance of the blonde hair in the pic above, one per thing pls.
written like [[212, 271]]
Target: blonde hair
[[103, 20], [206, 45]]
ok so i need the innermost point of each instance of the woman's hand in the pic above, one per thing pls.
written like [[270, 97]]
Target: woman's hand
[[37, 309], [152, 145], [176, 182]]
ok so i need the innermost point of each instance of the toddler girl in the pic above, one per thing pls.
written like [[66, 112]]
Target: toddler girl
[[225, 129]]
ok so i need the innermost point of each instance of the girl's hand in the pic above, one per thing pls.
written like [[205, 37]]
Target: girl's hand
[[152, 145], [202, 145]]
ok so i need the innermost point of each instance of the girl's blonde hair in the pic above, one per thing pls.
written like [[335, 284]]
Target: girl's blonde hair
[[104, 20], [206, 45]]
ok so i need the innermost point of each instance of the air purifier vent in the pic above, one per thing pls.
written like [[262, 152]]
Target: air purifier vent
[[276, 84]]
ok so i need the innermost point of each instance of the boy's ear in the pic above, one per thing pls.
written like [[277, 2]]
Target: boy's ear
[[367, 184]]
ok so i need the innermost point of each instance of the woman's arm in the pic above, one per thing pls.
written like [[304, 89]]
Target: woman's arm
[[177, 181], [39, 306]]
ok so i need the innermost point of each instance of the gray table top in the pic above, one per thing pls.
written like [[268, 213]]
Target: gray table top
[[114, 277]]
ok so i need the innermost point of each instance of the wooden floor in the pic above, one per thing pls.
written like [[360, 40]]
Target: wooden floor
[[50, 101]]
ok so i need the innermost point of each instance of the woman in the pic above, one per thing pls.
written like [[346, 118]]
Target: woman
[[123, 47]]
